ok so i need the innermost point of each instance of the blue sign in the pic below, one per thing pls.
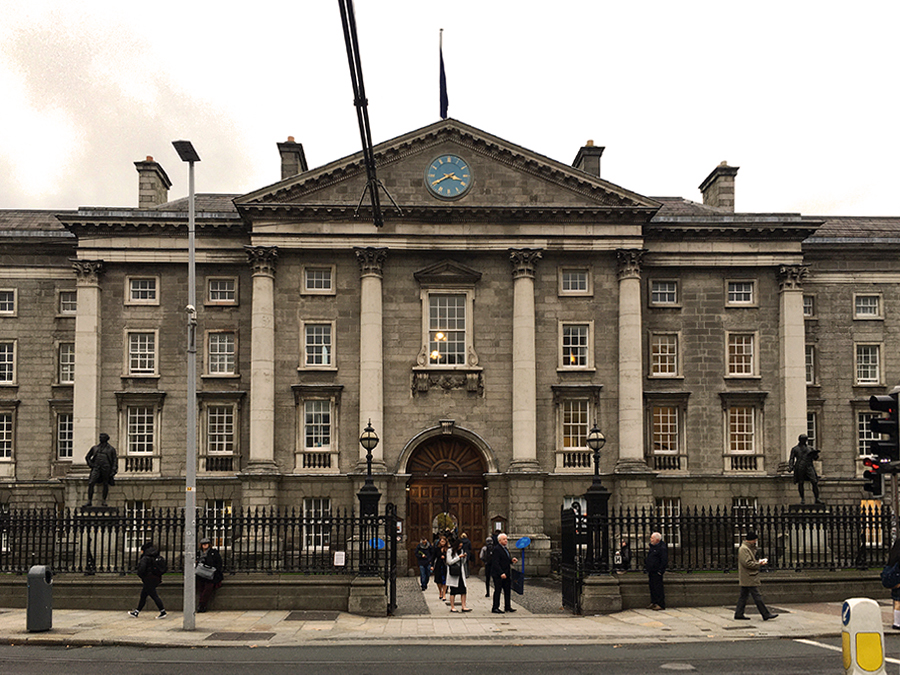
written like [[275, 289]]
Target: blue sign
[[845, 613], [377, 542], [523, 542]]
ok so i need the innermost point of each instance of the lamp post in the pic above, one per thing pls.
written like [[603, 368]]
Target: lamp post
[[187, 154], [597, 498], [368, 507]]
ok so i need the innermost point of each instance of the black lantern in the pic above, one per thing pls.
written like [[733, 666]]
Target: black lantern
[[597, 498], [368, 494]]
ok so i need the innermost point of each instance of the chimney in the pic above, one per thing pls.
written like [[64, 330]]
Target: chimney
[[293, 161], [588, 158], [718, 188], [153, 184]]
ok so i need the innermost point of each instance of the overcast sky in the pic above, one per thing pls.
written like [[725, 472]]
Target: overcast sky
[[802, 96]]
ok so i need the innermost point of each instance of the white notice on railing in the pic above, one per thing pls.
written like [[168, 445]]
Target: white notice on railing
[[340, 558]]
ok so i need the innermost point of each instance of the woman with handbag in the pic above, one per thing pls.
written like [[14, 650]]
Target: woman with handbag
[[456, 574], [208, 573]]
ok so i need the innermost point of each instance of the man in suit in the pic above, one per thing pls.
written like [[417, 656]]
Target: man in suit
[[501, 569]]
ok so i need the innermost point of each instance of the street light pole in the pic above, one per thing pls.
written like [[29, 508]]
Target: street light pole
[[188, 154], [597, 498]]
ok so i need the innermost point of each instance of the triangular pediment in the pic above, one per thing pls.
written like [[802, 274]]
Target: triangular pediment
[[504, 177], [447, 273]]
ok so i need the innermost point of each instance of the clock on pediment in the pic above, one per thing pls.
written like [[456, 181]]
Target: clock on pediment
[[448, 176]]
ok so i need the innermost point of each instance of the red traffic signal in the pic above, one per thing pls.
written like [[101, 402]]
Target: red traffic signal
[[886, 426]]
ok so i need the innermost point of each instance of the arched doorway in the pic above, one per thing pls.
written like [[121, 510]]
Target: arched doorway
[[446, 489]]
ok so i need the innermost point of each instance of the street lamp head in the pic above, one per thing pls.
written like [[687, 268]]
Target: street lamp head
[[186, 151], [368, 439], [596, 440]]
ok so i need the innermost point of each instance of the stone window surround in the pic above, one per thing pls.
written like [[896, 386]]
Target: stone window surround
[[60, 311], [879, 351], [589, 366], [132, 399], [320, 392], [13, 381], [570, 392], [205, 400], [126, 360], [209, 302], [754, 374], [587, 292], [305, 290], [149, 302], [59, 363], [666, 280], [303, 365], [206, 342], [678, 374], [879, 316], [15, 303], [8, 464], [813, 301], [675, 399], [754, 293]]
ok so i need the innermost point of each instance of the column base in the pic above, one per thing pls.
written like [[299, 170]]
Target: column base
[[264, 467], [629, 465], [524, 466]]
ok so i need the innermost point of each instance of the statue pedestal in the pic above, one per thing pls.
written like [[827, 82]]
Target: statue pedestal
[[806, 540]]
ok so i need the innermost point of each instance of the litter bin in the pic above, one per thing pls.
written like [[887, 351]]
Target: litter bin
[[39, 615]]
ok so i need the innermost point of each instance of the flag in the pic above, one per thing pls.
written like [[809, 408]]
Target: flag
[[444, 100]]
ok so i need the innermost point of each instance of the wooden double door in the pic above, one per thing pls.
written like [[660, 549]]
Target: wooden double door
[[446, 491]]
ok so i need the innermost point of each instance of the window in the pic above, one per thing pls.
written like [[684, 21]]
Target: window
[[66, 362], [664, 355], [810, 364], [809, 306], [317, 345], [741, 293], [575, 424], [741, 429], [142, 291], [866, 306], [668, 515], [7, 302], [141, 425], [222, 291], [864, 435], [744, 513], [575, 345], [6, 434], [317, 425], [7, 362], [664, 292], [139, 419], [218, 521], [812, 428], [741, 355], [316, 523], [219, 418], [68, 302], [220, 429], [142, 353], [664, 430], [868, 367], [64, 435], [318, 280], [574, 281], [447, 329], [221, 353], [139, 528]]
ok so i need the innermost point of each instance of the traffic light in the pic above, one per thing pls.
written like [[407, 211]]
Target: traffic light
[[888, 426], [874, 478]]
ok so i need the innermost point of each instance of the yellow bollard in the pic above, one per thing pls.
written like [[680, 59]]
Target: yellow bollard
[[862, 637]]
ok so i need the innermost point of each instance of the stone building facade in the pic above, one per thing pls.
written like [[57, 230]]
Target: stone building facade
[[509, 304]]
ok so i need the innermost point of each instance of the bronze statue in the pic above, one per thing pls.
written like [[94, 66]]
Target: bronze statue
[[104, 465], [801, 463]]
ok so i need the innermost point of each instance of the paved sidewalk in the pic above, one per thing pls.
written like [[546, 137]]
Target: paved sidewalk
[[286, 628]]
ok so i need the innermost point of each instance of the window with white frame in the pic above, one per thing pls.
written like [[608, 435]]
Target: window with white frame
[[864, 435], [64, 435], [68, 302], [868, 364], [66, 360], [664, 417], [316, 523], [741, 355], [664, 432], [574, 281], [668, 516], [866, 306], [664, 292], [142, 291], [575, 423], [222, 353], [7, 302], [744, 512], [575, 345], [812, 427], [142, 353], [140, 429], [447, 329], [318, 280], [664, 359], [809, 306], [222, 290], [741, 430], [218, 521], [810, 364], [317, 425], [8, 362], [138, 528], [220, 429], [741, 293], [317, 345], [7, 436]]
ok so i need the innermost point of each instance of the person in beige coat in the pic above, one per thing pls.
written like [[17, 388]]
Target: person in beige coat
[[748, 578]]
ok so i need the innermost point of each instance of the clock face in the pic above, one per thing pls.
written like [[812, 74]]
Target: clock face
[[448, 177]]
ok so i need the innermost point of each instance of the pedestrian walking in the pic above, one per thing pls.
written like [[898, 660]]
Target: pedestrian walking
[[894, 559], [486, 552], [501, 571], [424, 558], [208, 573], [456, 574], [655, 564], [467, 549], [150, 569], [440, 567], [748, 578]]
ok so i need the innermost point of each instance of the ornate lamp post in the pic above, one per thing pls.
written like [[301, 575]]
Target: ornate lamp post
[[368, 493], [597, 498]]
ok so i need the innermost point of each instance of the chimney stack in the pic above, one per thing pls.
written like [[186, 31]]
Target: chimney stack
[[153, 184], [293, 161], [588, 158], [718, 188]]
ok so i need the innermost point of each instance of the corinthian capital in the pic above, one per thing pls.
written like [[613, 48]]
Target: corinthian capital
[[630, 260], [88, 271], [262, 259], [790, 277], [371, 261], [523, 261]]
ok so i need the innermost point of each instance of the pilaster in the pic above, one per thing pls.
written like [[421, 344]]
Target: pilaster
[[792, 355], [371, 348], [524, 385], [86, 391], [631, 411]]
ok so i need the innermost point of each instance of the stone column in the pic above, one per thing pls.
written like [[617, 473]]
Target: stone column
[[631, 404], [262, 360], [524, 380], [371, 352], [86, 403], [792, 355]]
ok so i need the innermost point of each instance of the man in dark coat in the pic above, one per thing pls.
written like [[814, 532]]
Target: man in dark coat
[[501, 571], [656, 562], [424, 558], [104, 464], [150, 579], [801, 463]]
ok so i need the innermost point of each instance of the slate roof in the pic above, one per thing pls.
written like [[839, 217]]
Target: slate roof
[[203, 203], [26, 222], [838, 229]]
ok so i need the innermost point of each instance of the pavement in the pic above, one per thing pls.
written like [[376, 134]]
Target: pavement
[[423, 618]]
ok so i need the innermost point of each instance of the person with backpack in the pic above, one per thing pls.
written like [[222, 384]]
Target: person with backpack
[[486, 551], [150, 569]]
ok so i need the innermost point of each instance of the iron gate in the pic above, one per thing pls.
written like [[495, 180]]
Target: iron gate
[[571, 565]]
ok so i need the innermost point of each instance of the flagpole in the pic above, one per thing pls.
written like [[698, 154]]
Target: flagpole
[[443, 77]]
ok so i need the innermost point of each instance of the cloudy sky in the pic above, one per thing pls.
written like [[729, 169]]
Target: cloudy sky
[[803, 96]]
